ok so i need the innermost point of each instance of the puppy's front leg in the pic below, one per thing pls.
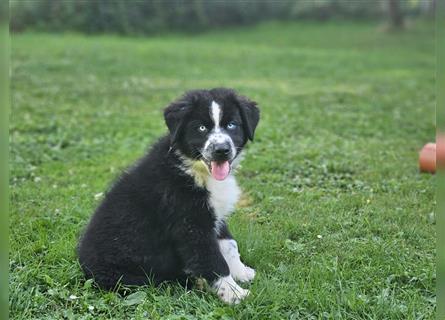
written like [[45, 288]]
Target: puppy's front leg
[[202, 258], [228, 290], [238, 270], [229, 249]]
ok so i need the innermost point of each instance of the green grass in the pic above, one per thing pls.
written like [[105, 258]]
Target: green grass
[[339, 222]]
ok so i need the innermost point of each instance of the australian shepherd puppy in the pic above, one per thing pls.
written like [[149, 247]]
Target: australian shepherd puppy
[[165, 218]]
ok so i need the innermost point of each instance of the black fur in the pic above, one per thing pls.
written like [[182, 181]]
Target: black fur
[[155, 222]]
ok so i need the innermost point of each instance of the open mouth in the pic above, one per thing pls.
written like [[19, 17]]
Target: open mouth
[[219, 170]]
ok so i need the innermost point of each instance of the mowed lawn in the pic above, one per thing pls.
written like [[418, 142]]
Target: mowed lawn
[[335, 218]]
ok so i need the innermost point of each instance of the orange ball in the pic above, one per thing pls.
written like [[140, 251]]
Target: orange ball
[[427, 158]]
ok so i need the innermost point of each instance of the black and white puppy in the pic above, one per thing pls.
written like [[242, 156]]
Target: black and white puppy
[[164, 219]]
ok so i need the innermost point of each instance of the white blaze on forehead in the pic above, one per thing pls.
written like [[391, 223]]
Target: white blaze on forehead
[[217, 136], [215, 112]]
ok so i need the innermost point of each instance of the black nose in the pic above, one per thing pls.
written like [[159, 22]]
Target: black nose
[[221, 151]]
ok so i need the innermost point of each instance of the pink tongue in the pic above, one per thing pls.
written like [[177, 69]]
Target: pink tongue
[[220, 171]]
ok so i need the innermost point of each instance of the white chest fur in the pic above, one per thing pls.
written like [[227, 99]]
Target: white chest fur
[[223, 196]]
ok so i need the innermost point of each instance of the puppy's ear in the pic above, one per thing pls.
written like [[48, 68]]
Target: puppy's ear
[[250, 114], [174, 116]]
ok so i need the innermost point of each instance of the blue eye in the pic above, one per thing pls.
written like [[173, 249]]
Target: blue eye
[[231, 125], [202, 128]]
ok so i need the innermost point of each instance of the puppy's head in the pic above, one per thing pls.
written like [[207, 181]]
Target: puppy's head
[[212, 126]]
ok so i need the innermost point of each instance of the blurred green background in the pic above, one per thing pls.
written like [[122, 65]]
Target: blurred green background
[[151, 17], [336, 218]]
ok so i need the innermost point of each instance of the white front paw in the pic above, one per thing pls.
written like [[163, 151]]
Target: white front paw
[[244, 274], [229, 291], [240, 272]]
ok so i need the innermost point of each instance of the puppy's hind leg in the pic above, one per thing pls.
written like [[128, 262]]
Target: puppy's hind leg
[[110, 279]]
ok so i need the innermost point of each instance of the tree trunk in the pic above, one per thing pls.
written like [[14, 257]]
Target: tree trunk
[[395, 14]]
